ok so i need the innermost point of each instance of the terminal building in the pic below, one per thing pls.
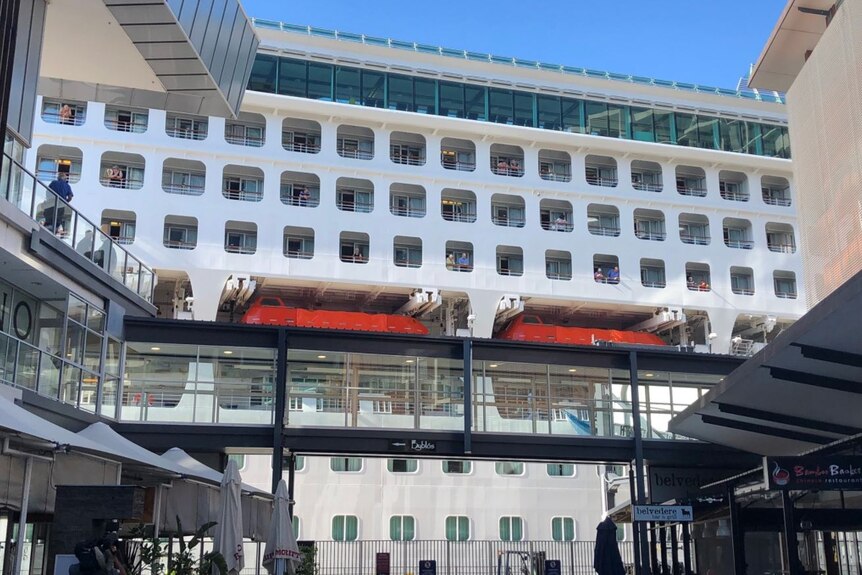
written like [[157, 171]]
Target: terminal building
[[463, 192]]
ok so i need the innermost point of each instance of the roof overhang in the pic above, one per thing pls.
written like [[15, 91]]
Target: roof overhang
[[197, 54], [802, 391], [797, 32]]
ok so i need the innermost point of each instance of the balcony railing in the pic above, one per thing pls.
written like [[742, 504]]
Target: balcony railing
[[301, 147], [696, 192], [242, 195], [557, 226], [407, 212], [785, 294], [558, 275], [653, 236], [29, 367], [186, 133], [456, 267], [509, 272], [250, 141], [743, 291], [647, 186], [552, 177], [407, 158], [56, 118], [782, 248], [123, 126], [49, 175], [240, 249], [183, 189], [40, 203], [461, 166], [352, 206], [654, 283], [177, 245], [611, 231], [509, 222], [514, 172], [354, 259], [735, 196], [606, 280], [298, 254], [468, 217], [408, 264], [356, 154], [608, 182], [311, 200], [698, 287], [695, 239], [123, 240], [123, 183], [739, 244], [776, 200]]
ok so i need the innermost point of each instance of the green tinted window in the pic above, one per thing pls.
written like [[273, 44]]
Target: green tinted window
[[293, 78]]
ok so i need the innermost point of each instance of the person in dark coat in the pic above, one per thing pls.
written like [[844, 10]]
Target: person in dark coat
[[607, 559]]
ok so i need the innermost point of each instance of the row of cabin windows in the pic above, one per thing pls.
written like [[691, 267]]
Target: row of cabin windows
[[602, 171], [320, 81], [457, 528], [509, 260], [458, 467]]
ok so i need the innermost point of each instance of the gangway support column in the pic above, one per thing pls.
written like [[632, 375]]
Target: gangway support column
[[791, 546], [639, 458], [737, 535], [686, 549], [468, 395], [278, 416]]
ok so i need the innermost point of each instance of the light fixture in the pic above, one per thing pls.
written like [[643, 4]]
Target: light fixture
[[227, 352], [493, 365], [154, 348], [573, 370], [649, 374], [408, 361], [321, 357]]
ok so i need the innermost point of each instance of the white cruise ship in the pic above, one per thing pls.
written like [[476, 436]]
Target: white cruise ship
[[464, 190]]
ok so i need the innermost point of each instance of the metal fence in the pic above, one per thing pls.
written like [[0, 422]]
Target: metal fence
[[458, 557]]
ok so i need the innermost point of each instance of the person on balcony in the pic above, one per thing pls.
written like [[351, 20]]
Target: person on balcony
[[703, 286], [690, 282], [560, 224], [66, 115], [450, 261], [614, 275], [502, 167], [61, 187], [115, 176], [598, 275], [463, 261]]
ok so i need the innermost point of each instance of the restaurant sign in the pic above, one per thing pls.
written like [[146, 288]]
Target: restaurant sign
[[814, 472]]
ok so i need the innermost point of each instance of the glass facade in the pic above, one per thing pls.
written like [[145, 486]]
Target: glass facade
[[349, 85], [200, 384]]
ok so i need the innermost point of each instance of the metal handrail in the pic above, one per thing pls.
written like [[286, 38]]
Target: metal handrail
[[130, 127], [239, 250], [407, 212], [654, 236], [647, 186], [771, 200], [299, 255], [654, 284], [175, 245], [599, 181], [511, 172], [356, 154], [782, 248], [558, 227], [689, 191], [183, 189], [354, 206], [76, 120], [40, 203], [297, 147], [456, 164], [785, 294], [604, 231], [252, 142], [468, 217], [553, 177], [242, 195], [739, 244], [123, 183], [508, 222], [735, 196], [743, 291], [186, 134], [694, 239]]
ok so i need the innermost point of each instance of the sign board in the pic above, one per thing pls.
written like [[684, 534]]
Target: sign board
[[841, 472], [412, 445], [663, 513], [428, 567], [667, 483], [553, 567], [381, 564]]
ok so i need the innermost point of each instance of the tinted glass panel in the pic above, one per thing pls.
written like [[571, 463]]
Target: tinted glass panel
[[372, 88], [549, 112], [661, 122], [572, 120], [451, 100], [401, 93], [475, 100], [617, 121], [705, 132], [426, 96], [347, 85], [642, 128], [500, 107], [319, 81], [292, 79], [686, 130], [597, 118], [263, 74], [523, 109]]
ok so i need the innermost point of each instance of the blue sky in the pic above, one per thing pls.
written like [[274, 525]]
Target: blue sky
[[700, 41]]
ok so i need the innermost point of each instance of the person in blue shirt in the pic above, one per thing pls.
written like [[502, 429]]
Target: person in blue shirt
[[61, 187], [614, 275]]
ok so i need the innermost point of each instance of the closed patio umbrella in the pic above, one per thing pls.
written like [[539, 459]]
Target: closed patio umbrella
[[607, 560], [281, 554], [228, 534]]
